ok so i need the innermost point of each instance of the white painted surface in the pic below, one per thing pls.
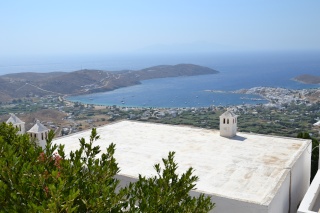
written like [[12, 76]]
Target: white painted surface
[[300, 178], [40, 133], [311, 200], [281, 200], [17, 123], [228, 124], [21, 128], [247, 173], [229, 205], [317, 123]]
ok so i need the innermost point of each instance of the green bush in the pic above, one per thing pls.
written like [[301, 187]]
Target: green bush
[[167, 192]]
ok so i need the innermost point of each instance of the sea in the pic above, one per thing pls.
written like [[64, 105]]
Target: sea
[[236, 71]]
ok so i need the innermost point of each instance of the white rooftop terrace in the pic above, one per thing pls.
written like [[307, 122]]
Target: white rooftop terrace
[[248, 167]]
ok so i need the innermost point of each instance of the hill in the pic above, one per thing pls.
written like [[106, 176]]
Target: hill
[[19, 85], [308, 79], [30, 76]]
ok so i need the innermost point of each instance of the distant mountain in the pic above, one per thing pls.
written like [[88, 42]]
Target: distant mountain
[[31, 76], [21, 85], [308, 79]]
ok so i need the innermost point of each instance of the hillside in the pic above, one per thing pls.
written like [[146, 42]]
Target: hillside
[[21, 85], [308, 79], [30, 76]]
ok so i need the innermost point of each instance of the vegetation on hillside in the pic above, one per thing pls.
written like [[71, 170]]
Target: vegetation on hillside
[[287, 120]]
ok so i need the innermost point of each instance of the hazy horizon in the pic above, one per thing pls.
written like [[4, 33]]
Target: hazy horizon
[[118, 62], [40, 28]]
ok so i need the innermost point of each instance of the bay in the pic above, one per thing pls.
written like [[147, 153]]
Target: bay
[[244, 71], [237, 71], [168, 92]]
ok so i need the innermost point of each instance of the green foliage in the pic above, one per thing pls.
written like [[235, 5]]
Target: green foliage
[[32, 180], [37, 180], [314, 154], [167, 192]]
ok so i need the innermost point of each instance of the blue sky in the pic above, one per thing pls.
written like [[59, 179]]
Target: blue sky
[[98, 27]]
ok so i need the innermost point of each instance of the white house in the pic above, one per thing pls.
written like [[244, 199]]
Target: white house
[[16, 122], [40, 133], [241, 172]]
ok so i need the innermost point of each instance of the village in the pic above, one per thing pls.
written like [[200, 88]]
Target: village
[[287, 113]]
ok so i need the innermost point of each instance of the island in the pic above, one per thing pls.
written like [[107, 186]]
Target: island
[[20, 85], [308, 79]]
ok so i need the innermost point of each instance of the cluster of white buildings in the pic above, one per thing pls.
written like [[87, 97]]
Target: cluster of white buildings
[[279, 96], [38, 132], [241, 172]]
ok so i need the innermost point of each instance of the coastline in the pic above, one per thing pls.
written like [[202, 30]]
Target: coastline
[[299, 81], [275, 96], [307, 79]]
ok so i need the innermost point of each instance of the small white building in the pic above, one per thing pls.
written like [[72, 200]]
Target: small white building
[[228, 124], [241, 172], [17, 123], [40, 133], [317, 123]]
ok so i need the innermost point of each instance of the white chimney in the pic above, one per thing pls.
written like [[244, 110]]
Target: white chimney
[[228, 124]]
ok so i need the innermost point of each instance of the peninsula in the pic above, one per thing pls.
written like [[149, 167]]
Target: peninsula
[[308, 79], [20, 85]]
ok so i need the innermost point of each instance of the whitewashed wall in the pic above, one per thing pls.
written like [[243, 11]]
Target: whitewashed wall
[[300, 178], [309, 202], [280, 202]]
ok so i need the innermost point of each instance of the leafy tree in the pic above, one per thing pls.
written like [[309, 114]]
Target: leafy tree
[[32, 180], [314, 154], [37, 180], [167, 192]]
